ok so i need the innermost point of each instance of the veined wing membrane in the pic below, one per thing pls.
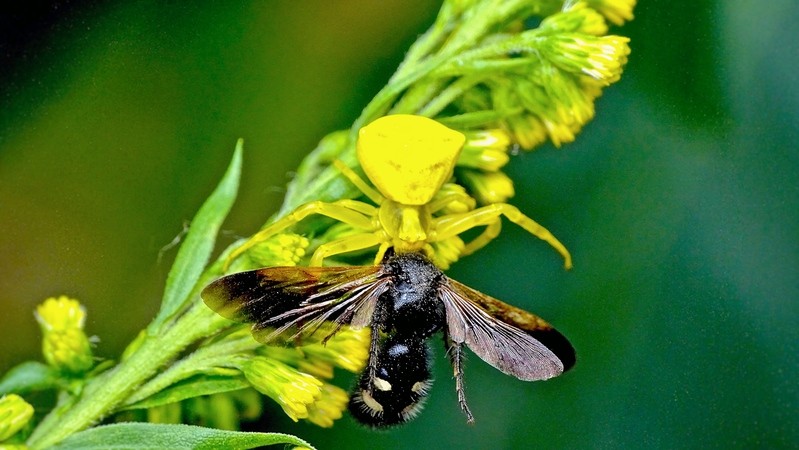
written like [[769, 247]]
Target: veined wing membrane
[[276, 299], [512, 340]]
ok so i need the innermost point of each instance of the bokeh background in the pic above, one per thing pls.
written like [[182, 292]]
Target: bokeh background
[[680, 202]]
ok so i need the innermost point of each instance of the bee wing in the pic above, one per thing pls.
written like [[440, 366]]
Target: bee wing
[[512, 340], [276, 299]]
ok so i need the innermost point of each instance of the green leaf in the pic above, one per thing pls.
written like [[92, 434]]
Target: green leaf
[[196, 249], [192, 387], [136, 436], [29, 376]]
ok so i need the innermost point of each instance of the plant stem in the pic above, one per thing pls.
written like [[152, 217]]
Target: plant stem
[[105, 392]]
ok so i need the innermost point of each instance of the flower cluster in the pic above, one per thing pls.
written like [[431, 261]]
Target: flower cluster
[[294, 376]]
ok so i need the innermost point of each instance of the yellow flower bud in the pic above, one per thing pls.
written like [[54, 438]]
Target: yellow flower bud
[[616, 11], [329, 407], [60, 313], [488, 187], [348, 349], [293, 390], [577, 18], [601, 58], [15, 413], [64, 344], [462, 201], [486, 150], [447, 251], [284, 249]]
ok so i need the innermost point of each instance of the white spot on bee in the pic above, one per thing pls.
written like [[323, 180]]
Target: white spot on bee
[[382, 384], [421, 387], [375, 409]]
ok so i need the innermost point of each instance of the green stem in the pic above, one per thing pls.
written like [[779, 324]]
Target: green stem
[[105, 392], [216, 355]]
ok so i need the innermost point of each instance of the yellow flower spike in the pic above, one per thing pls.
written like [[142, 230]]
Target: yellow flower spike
[[64, 344], [485, 150], [616, 11], [285, 249], [330, 406], [15, 413], [488, 187], [293, 390]]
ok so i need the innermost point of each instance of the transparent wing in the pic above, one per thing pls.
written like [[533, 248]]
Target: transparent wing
[[297, 299], [512, 340]]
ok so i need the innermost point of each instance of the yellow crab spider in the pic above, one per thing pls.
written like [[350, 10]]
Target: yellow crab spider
[[408, 159]]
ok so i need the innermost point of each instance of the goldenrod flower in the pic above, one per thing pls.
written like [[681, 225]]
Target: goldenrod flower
[[464, 202], [488, 187], [601, 58], [616, 11], [447, 251], [15, 413], [527, 130], [60, 313], [577, 18], [485, 150], [64, 344], [293, 390], [284, 249], [329, 407], [348, 349]]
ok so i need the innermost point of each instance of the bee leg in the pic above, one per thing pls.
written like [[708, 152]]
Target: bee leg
[[378, 323], [455, 351]]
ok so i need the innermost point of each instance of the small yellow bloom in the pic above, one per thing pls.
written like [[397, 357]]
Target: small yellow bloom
[[488, 187], [601, 58], [577, 18], [527, 130], [464, 202], [15, 413], [64, 344], [293, 390], [348, 349], [616, 11], [329, 407], [285, 249], [447, 251], [60, 313], [485, 150]]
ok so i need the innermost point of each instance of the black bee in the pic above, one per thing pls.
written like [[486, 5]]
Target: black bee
[[405, 300]]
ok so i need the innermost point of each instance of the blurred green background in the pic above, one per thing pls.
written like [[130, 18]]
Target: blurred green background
[[679, 203]]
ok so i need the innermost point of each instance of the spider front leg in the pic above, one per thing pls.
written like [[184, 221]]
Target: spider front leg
[[359, 215], [455, 224]]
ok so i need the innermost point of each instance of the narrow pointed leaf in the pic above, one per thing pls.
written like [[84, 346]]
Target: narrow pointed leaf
[[139, 436], [192, 387], [199, 243]]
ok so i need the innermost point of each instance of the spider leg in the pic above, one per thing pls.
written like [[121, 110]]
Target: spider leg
[[454, 224], [346, 244], [350, 212]]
